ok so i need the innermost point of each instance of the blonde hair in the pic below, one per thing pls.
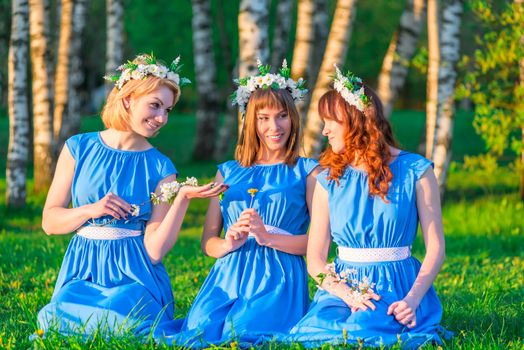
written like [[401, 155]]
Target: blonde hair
[[115, 115], [249, 143]]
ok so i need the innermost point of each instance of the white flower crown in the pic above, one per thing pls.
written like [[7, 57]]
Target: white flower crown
[[266, 80], [350, 87], [132, 70]]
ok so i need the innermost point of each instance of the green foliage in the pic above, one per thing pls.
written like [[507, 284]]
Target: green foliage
[[492, 73]]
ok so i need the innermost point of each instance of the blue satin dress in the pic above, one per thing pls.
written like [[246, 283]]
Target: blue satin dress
[[359, 220], [254, 291], [111, 284]]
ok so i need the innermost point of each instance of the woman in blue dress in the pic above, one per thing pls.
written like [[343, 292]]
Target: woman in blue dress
[[112, 278], [258, 284], [369, 200]]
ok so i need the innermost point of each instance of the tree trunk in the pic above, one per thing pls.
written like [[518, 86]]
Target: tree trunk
[[18, 150], [304, 36], [433, 75], [335, 53], [5, 24], [41, 62], [115, 36], [63, 68], [400, 52], [253, 23], [281, 32], [227, 133], [450, 55], [310, 44], [205, 68], [76, 76]]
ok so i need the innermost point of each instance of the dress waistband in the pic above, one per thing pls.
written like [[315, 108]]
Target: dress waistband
[[371, 255], [111, 233], [275, 230]]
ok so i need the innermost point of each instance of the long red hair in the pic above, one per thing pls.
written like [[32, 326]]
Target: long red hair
[[367, 139]]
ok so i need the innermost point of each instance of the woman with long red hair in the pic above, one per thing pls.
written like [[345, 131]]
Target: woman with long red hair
[[369, 200]]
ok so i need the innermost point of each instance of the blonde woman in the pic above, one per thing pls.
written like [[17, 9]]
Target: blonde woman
[[112, 277]]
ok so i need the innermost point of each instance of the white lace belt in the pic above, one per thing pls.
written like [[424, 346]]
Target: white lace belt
[[97, 232], [275, 230], [371, 255]]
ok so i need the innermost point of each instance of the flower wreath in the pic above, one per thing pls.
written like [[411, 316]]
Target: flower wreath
[[151, 66], [266, 80], [350, 87]]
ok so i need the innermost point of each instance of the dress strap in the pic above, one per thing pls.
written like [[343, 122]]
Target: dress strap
[[372, 255], [111, 233]]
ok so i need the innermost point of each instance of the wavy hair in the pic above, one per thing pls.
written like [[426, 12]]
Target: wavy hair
[[249, 143], [367, 138]]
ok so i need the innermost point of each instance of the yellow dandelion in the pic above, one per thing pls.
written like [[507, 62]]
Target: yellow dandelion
[[40, 332], [252, 192]]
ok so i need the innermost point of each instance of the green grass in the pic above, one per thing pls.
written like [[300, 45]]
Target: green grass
[[481, 285]]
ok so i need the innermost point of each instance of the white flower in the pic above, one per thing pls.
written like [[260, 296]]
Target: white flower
[[137, 74], [173, 76], [162, 72], [267, 79], [135, 210], [284, 63], [251, 84], [168, 191], [191, 181]]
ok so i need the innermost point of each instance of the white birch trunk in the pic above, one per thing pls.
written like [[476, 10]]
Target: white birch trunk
[[42, 93], [205, 68], [433, 75], [71, 124], [336, 50], [321, 33], [304, 38], [401, 49], [281, 32], [449, 57], [18, 149], [63, 66], [115, 36], [253, 23]]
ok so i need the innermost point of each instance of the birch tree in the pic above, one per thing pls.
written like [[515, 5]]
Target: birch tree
[[304, 39], [281, 32], [433, 75], [63, 66], [205, 75], [18, 149], [401, 50], [41, 63], [76, 77], [115, 35], [336, 49], [253, 23], [449, 57]]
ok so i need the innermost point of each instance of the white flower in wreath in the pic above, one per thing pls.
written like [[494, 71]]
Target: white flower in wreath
[[267, 80], [251, 85], [296, 94], [259, 80], [291, 83], [137, 74], [174, 77]]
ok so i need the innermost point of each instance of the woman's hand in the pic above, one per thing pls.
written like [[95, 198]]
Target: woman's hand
[[210, 190], [112, 205], [236, 237], [404, 312], [354, 300], [253, 221]]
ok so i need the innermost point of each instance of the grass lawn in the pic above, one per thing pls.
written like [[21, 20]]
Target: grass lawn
[[481, 285]]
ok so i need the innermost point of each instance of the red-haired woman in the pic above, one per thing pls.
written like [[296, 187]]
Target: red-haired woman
[[369, 200]]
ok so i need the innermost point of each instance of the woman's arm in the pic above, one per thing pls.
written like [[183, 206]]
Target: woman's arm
[[318, 250], [164, 225], [292, 244], [58, 218], [212, 244], [430, 215]]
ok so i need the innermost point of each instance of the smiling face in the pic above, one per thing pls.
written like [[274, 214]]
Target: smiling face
[[149, 113], [273, 127]]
